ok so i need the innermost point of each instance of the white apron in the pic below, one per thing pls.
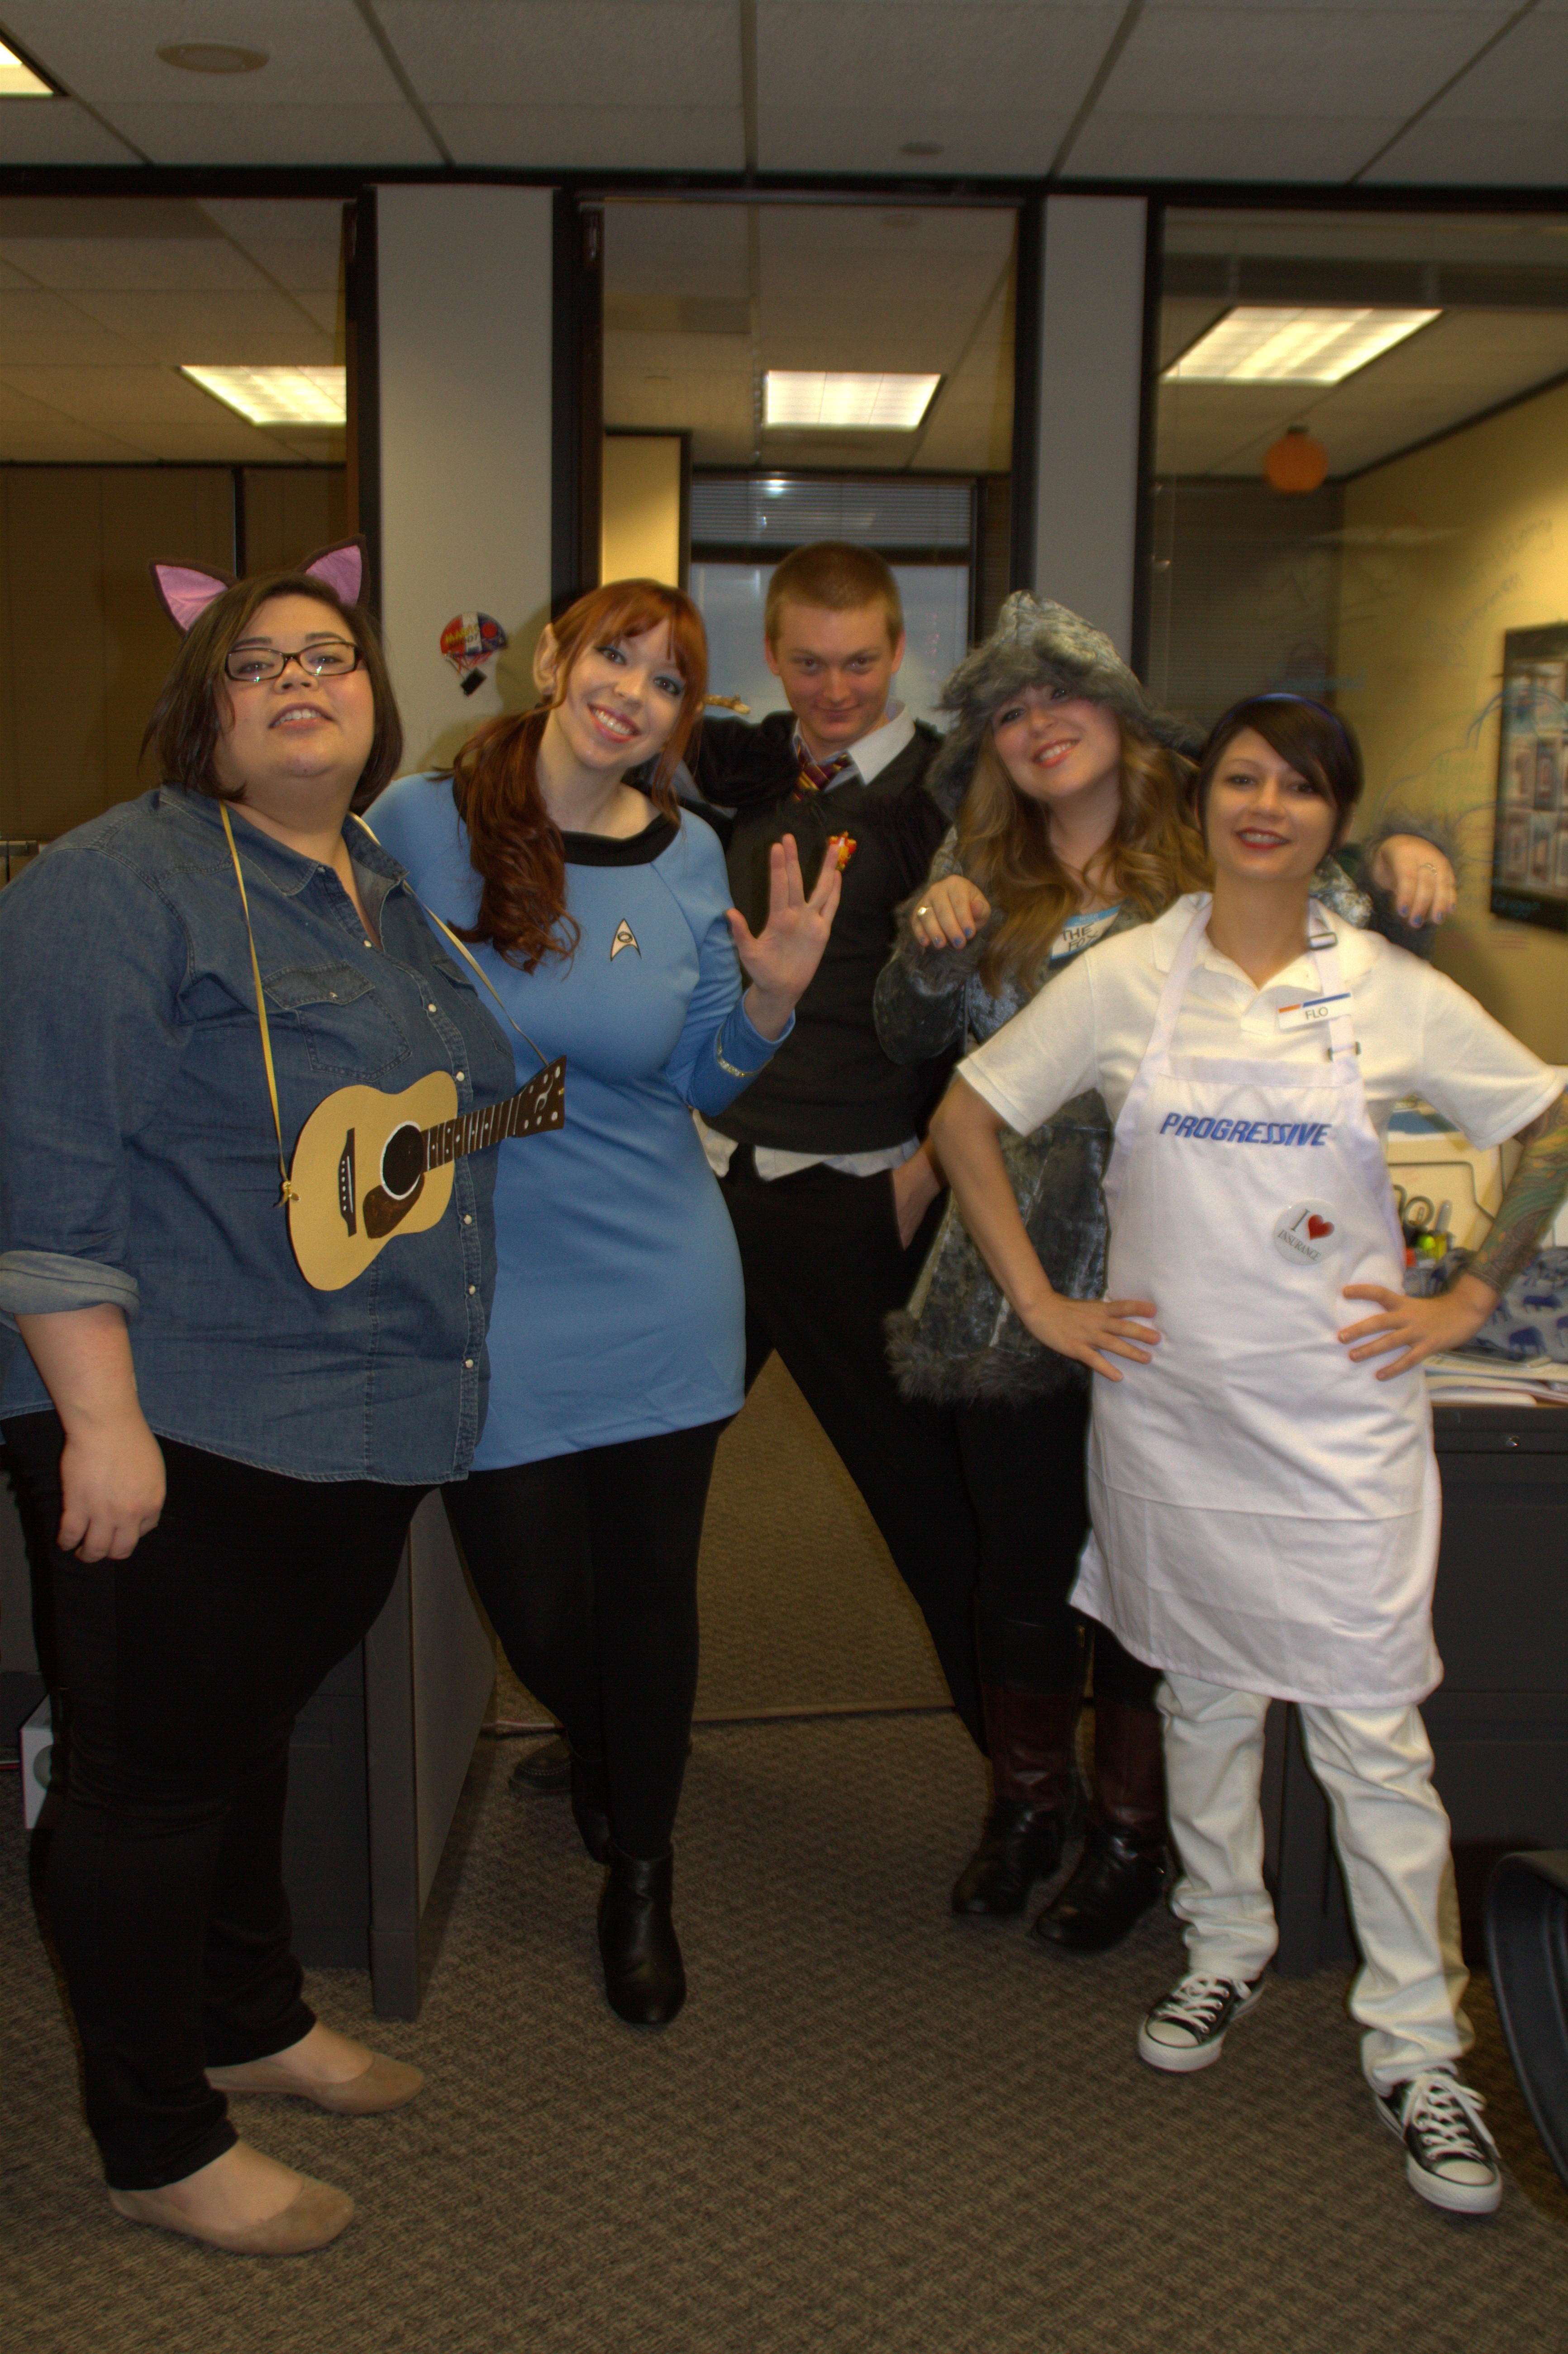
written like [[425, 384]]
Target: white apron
[[1265, 1512]]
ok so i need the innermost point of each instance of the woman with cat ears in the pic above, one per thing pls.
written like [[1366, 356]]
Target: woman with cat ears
[[220, 1462], [1068, 787]]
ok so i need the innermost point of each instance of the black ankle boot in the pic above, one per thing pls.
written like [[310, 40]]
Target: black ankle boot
[[1019, 1845], [644, 1977], [1030, 1736], [1118, 1878], [591, 1804]]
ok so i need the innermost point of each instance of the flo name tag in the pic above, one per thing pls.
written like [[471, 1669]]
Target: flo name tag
[[1312, 1010]]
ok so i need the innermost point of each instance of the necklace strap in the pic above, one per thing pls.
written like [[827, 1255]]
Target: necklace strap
[[286, 1192]]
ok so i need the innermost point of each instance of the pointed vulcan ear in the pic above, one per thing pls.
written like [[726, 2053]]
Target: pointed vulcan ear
[[341, 567], [185, 590]]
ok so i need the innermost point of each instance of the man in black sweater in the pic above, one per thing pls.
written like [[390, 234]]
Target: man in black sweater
[[833, 1196]]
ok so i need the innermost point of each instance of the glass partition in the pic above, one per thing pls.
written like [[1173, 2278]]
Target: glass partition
[[1360, 491], [778, 341]]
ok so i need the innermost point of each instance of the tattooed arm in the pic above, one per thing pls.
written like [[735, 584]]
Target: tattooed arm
[[1417, 1328], [1531, 1200]]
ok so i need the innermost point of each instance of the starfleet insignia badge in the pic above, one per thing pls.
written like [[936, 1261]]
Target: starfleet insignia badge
[[625, 938], [1305, 1233]]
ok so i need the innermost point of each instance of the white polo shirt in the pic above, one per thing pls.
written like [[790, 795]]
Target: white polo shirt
[[1419, 1033]]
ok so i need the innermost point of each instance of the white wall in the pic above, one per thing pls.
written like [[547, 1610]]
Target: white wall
[[1090, 388], [464, 279]]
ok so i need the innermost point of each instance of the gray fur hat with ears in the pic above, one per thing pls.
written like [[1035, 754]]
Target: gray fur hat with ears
[[1037, 643]]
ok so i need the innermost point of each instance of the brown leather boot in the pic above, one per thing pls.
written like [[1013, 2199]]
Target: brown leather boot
[[1030, 1737], [1121, 1872]]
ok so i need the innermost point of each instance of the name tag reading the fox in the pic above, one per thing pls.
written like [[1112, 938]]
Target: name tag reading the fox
[[1312, 1010]]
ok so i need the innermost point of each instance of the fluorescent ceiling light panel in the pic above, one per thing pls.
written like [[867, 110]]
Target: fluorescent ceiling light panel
[[19, 80], [277, 396], [1308, 344], [875, 404]]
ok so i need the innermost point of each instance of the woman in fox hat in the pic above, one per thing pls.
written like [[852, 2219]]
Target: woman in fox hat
[[1067, 785]]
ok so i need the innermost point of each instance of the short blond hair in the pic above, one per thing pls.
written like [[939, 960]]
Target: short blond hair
[[838, 578]]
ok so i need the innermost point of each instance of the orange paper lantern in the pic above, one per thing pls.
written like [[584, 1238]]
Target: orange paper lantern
[[1297, 462]]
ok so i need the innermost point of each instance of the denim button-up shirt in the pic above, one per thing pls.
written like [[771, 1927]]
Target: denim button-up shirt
[[139, 1164]]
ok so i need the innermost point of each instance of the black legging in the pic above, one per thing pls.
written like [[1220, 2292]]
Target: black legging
[[184, 1669], [588, 1566], [1024, 1467]]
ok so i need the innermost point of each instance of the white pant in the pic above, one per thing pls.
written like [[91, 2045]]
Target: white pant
[[1375, 1767]]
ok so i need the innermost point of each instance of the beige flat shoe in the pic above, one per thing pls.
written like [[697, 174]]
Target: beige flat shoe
[[313, 2218], [385, 2084]]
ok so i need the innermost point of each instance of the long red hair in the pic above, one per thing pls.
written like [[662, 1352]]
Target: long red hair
[[514, 844]]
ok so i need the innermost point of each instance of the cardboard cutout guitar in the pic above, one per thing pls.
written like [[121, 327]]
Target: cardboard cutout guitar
[[367, 1166], [370, 1166]]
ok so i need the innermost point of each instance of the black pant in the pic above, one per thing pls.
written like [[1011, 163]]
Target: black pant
[[185, 1667], [823, 1268], [588, 1566], [1024, 1465]]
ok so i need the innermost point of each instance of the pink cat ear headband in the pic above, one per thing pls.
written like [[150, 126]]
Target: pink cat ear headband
[[185, 590]]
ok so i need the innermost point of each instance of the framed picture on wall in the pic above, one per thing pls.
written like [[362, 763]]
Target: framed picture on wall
[[1530, 861]]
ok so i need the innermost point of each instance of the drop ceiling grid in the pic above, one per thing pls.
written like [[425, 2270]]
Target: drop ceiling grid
[[604, 53], [93, 330], [1270, 88], [1465, 362], [319, 52]]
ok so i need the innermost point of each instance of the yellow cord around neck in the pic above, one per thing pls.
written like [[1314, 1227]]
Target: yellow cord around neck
[[286, 1193]]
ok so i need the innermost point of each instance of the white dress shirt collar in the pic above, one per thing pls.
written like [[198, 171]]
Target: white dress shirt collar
[[874, 752]]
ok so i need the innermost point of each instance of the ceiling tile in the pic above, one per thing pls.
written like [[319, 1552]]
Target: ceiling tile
[[219, 443], [1322, 63], [39, 328], [595, 138], [1524, 79], [307, 268], [113, 395], [314, 220], [318, 50], [675, 250], [326, 310], [260, 330], [998, 61], [56, 131], [1447, 152], [296, 240], [34, 436], [622, 53], [124, 264], [807, 138], [221, 133], [1216, 147]]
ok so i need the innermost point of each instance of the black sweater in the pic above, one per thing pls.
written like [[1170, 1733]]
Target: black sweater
[[830, 1089]]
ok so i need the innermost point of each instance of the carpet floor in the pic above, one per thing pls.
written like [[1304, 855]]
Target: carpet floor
[[873, 2130], [873, 2127], [802, 1609]]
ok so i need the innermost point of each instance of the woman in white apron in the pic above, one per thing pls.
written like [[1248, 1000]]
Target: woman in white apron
[[1262, 1483]]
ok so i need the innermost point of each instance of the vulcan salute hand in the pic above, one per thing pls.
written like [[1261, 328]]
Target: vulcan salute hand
[[781, 960]]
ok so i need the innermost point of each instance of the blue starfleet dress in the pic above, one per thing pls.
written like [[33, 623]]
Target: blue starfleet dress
[[619, 1306]]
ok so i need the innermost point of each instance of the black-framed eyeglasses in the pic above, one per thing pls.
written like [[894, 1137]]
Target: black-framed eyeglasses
[[328, 658]]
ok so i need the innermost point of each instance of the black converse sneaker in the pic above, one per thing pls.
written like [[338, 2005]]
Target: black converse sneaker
[[1450, 2159], [1187, 2028]]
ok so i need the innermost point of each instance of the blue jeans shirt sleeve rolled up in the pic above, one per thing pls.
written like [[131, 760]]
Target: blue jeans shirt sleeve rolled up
[[138, 1165]]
